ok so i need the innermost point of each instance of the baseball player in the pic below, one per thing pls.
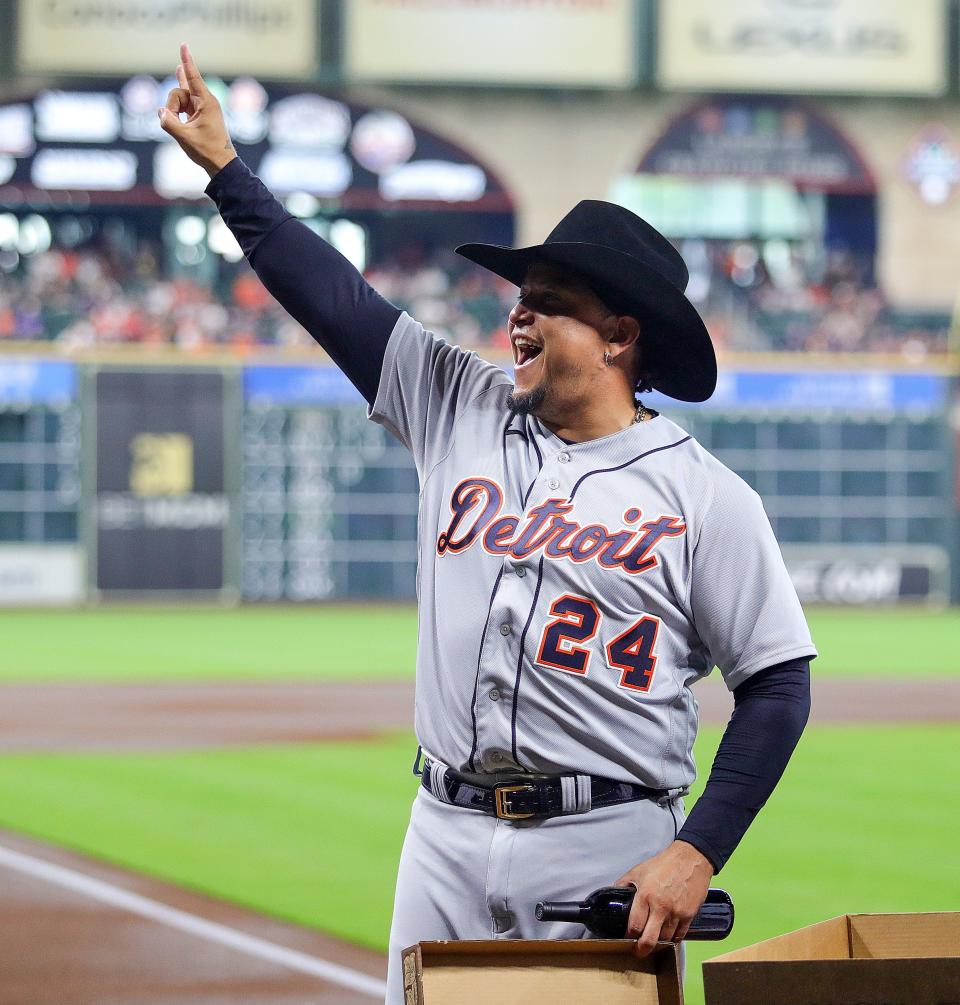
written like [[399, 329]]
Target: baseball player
[[582, 562]]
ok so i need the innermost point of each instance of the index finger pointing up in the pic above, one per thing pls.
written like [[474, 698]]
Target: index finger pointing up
[[195, 82]]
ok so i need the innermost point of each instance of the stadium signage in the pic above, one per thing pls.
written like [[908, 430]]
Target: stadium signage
[[855, 392], [839, 392], [832, 46], [565, 43], [16, 130], [162, 511], [81, 169], [868, 574], [77, 116], [41, 574], [186, 512], [758, 137], [175, 175], [434, 180], [25, 382], [267, 37], [933, 164], [297, 141], [320, 174]]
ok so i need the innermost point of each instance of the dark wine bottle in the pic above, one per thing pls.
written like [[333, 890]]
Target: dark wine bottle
[[606, 911]]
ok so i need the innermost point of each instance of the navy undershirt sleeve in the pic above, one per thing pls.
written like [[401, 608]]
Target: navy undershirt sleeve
[[770, 711], [310, 279]]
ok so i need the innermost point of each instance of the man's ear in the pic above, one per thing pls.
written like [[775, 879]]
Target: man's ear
[[624, 335]]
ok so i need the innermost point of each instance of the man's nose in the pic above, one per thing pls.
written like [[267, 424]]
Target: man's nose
[[520, 314]]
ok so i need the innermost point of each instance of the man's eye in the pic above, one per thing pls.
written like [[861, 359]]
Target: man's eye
[[545, 302]]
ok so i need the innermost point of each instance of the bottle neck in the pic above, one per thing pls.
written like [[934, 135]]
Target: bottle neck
[[557, 910]]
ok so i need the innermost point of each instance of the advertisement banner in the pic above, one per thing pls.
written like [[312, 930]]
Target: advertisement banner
[[105, 139], [298, 385], [837, 391], [837, 46], [552, 42], [162, 510], [25, 381], [758, 138], [848, 392], [265, 37], [41, 574], [854, 574]]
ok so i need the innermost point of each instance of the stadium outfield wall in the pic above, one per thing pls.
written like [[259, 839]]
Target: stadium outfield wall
[[262, 481]]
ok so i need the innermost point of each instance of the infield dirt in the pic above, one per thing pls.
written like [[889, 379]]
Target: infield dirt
[[177, 716]]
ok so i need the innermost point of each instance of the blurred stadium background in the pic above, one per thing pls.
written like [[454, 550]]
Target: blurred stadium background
[[170, 439]]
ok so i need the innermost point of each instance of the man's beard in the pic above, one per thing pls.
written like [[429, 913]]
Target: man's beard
[[527, 402]]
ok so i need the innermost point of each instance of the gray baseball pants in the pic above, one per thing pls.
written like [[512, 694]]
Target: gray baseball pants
[[467, 875]]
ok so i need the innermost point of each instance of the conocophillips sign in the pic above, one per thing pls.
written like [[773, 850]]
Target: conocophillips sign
[[263, 37], [829, 46]]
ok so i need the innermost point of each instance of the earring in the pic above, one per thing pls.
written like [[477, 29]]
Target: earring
[[607, 358]]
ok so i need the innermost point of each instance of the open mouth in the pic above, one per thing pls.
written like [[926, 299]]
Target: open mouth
[[526, 351]]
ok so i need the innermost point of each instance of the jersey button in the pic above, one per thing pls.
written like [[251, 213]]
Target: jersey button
[[563, 457], [504, 629], [494, 694], [553, 484], [521, 571]]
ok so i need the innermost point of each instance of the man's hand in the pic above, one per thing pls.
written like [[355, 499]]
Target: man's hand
[[203, 137], [670, 887]]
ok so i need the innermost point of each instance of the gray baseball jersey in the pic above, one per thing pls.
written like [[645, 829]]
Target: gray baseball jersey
[[571, 593]]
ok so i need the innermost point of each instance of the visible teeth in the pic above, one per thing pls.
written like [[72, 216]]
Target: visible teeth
[[526, 350]]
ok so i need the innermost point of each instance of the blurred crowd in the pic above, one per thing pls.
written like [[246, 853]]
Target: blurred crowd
[[85, 297], [774, 297], [754, 298]]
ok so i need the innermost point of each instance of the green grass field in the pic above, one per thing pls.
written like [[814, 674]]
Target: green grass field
[[865, 820], [365, 642]]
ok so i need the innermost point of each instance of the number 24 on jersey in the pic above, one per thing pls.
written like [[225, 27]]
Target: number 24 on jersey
[[576, 620]]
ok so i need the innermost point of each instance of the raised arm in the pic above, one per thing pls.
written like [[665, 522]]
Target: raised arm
[[311, 280]]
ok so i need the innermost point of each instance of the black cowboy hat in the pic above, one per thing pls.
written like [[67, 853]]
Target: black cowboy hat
[[636, 271]]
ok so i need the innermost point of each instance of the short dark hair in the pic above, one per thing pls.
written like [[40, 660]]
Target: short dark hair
[[644, 379]]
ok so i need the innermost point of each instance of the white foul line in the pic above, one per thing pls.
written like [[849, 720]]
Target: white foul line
[[191, 923]]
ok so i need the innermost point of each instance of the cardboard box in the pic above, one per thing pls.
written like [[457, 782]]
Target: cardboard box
[[521, 972], [869, 959]]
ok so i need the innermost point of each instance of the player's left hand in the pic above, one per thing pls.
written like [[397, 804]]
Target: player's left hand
[[671, 887], [203, 137]]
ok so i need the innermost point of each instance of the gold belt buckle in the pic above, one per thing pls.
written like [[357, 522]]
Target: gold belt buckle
[[501, 795]]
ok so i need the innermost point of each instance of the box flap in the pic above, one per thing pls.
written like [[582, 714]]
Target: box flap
[[905, 936], [827, 940], [434, 952], [516, 972]]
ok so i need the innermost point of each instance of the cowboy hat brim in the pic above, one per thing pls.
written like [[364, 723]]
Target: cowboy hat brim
[[681, 355]]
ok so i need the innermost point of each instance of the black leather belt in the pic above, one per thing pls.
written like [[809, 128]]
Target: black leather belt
[[521, 797]]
